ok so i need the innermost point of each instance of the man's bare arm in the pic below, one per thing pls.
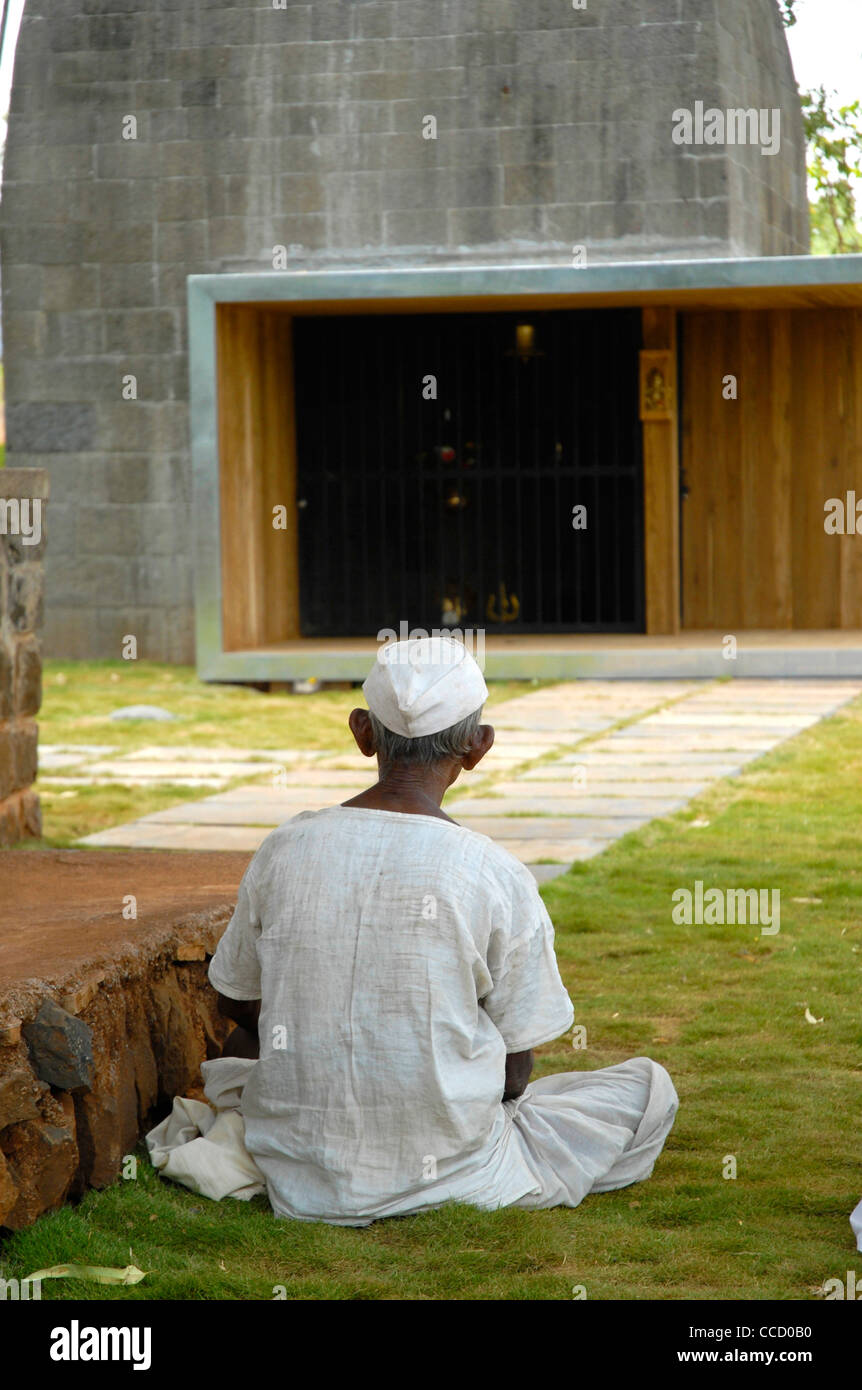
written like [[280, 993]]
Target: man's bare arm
[[518, 1068]]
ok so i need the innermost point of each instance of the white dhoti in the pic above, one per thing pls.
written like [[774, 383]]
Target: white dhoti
[[593, 1131], [575, 1133], [203, 1146]]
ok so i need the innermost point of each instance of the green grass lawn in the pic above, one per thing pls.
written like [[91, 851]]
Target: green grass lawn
[[722, 1007]]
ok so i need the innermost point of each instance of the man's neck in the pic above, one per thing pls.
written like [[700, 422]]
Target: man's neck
[[412, 791]]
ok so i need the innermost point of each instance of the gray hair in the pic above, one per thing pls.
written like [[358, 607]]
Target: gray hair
[[454, 742]]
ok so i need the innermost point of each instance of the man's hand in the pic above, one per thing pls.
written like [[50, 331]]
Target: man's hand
[[518, 1068]]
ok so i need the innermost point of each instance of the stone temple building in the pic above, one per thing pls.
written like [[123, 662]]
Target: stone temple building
[[462, 267]]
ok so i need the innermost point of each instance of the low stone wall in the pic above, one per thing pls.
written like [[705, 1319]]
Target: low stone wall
[[23, 498], [104, 1017]]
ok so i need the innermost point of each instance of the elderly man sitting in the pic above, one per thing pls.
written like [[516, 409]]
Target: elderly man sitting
[[398, 970]]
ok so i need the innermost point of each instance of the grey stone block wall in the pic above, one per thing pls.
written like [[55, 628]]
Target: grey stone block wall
[[23, 515], [301, 126]]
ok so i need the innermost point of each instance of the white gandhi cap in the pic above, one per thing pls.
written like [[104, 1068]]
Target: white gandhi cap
[[424, 685]]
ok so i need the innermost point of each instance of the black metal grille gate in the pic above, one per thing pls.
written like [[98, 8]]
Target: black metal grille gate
[[458, 511]]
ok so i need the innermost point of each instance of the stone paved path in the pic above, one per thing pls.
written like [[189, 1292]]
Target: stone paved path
[[574, 767]]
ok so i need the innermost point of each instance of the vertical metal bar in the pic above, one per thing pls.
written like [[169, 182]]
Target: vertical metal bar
[[480, 438], [535, 483], [398, 463], [445, 369], [562, 357], [521, 389], [577, 442], [459, 327], [620, 356], [325, 538], [594, 450], [343, 466], [422, 435], [498, 548]]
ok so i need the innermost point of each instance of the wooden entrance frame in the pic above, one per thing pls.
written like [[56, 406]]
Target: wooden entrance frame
[[241, 410]]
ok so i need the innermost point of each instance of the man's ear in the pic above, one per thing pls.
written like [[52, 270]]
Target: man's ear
[[360, 727], [483, 742]]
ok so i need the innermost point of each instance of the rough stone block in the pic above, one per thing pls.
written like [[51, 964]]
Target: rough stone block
[[66, 287], [107, 1128], [133, 331], [61, 1048], [425, 228], [19, 1096], [190, 950], [10, 821], [28, 676], [7, 696], [43, 427], [10, 1031], [30, 815], [43, 1158], [529, 183], [9, 1190], [79, 334], [333, 21], [6, 762], [26, 598], [78, 999], [177, 1042], [181, 199]]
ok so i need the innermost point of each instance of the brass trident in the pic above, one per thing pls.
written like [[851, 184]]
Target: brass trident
[[509, 607]]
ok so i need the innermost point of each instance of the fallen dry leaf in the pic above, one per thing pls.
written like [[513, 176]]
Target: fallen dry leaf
[[98, 1274]]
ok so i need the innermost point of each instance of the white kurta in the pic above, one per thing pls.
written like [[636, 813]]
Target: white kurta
[[398, 959]]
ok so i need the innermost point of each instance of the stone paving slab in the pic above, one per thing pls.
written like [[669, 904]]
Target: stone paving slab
[[687, 770], [675, 751], [267, 808], [51, 756], [656, 737], [588, 804], [164, 771], [543, 873], [757, 723], [550, 827], [552, 725], [150, 835], [519, 737], [275, 792], [49, 782], [328, 777], [611, 781], [267, 756], [562, 852]]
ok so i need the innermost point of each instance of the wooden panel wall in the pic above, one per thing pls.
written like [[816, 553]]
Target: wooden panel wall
[[257, 469], [760, 468]]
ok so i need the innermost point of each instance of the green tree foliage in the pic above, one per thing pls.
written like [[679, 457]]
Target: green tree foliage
[[834, 136], [788, 16]]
